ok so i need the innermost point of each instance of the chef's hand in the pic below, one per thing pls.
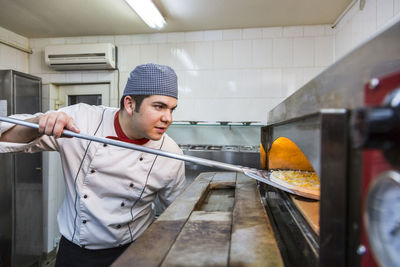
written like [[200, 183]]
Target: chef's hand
[[53, 123]]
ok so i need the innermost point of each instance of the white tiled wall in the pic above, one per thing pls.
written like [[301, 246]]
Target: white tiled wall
[[234, 75], [360, 25], [11, 58]]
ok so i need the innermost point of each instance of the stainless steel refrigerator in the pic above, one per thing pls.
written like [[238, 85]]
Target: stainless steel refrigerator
[[21, 200]]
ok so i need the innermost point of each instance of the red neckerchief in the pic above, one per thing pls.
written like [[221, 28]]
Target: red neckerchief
[[122, 137]]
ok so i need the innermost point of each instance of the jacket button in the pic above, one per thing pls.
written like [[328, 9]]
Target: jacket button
[[104, 145], [118, 226], [131, 185], [85, 196], [122, 204], [84, 221], [141, 158], [92, 171]]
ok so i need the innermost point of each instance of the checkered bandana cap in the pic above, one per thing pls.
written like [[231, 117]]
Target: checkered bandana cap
[[152, 79]]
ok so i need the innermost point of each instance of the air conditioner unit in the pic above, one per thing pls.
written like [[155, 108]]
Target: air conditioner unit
[[81, 56]]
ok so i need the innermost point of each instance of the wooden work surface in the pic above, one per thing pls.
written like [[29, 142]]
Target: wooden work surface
[[219, 220]]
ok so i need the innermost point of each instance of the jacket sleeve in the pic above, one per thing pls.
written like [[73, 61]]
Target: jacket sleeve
[[44, 143], [80, 113]]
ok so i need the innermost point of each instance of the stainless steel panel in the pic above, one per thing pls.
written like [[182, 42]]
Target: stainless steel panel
[[21, 208], [333, 202], [247, 159], [27, 94], [6, 210], [323, 139], [6, 92]]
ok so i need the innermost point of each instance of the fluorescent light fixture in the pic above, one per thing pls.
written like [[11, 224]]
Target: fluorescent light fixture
[[148, 12]]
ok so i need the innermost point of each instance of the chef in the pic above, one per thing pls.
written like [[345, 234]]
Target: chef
[[109, 190]]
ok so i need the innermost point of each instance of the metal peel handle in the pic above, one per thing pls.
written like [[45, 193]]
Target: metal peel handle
[[68, 133], [259, 175]]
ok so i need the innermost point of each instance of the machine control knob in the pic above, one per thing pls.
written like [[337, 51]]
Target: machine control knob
[[379, 127]]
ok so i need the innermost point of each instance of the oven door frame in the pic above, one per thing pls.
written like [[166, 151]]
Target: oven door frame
[[324, 138]]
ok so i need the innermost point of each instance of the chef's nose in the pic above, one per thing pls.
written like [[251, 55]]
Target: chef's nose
[[167, 116]]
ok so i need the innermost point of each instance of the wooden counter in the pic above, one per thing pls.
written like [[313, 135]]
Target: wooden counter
[[219, 220]]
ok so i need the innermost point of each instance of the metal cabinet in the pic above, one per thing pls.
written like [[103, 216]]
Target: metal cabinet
[[21, 193]]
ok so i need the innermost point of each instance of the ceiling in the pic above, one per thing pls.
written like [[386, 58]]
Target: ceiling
[[66, 18]]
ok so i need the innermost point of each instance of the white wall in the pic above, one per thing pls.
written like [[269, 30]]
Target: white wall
[[11, 58], [224, 75], [234, 75], [357, 26]]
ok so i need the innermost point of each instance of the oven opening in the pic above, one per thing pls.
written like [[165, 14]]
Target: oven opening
[[295, 220], [290, 166]]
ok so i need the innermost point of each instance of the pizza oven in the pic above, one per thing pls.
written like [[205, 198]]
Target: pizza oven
[[346, 124]]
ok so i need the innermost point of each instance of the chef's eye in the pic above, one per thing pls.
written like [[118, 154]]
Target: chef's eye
[[158, 107]]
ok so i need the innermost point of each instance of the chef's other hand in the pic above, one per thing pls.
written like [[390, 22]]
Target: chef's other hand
[[54, 123]]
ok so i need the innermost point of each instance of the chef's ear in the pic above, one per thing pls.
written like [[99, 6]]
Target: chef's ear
[[129, 104]]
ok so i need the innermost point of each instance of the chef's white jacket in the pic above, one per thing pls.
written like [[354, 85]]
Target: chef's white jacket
[[109, 190]]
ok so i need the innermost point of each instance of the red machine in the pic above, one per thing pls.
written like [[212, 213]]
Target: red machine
[[377, 128]]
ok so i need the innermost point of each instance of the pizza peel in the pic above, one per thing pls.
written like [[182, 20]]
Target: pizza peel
[[263, 176]]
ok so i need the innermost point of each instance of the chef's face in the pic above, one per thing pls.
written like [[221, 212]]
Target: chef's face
[[154, 117]]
